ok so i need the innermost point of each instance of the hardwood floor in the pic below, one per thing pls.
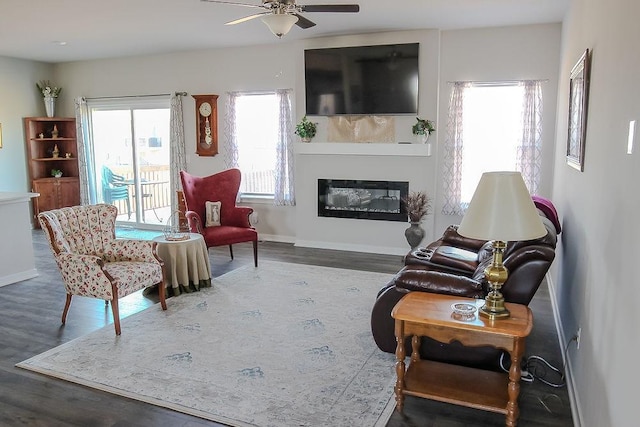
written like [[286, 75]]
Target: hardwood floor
[[30, 324]]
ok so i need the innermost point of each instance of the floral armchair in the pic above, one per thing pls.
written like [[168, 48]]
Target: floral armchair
[[95, 264]]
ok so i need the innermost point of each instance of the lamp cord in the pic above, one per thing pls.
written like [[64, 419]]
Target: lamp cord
[[537, 368]]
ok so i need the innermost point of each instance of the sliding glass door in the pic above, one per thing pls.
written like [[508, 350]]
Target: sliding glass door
[[131, 159]]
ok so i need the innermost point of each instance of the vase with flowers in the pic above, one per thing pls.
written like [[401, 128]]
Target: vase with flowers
[[49, 93], [418, 205]]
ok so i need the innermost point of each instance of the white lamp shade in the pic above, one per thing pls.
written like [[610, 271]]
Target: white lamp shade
[[279, 23], [501, 209]]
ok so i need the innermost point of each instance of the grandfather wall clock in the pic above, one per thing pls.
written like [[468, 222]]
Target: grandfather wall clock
[[206, 125]]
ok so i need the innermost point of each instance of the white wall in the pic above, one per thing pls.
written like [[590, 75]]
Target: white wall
[[472, 54], [363, 161], [596, 284], [19, 97], [199, 72], [507, 53]]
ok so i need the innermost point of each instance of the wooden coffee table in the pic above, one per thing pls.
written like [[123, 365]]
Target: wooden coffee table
[[425, 314]]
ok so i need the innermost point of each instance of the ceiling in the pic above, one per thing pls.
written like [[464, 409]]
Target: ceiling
[[92, 29]]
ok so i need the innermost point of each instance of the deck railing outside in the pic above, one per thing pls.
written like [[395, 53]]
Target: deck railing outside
[[156, 190]]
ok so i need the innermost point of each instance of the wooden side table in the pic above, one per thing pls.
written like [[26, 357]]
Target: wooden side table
[[425, 314]]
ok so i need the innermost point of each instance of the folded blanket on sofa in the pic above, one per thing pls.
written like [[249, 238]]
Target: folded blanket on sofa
[[546, 206]]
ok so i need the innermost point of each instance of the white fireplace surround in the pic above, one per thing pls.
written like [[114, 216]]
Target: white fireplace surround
[[353, 161]]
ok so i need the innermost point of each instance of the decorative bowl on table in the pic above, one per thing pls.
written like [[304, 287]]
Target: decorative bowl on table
[[463, 311], [172, 231]]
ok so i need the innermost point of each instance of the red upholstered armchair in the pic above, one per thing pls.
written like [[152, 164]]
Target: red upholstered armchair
[[234, 226]]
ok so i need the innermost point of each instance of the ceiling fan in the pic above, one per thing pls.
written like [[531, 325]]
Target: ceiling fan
[[281, 15]]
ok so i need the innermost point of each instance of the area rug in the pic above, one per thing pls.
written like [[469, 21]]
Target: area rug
[[278, 345]]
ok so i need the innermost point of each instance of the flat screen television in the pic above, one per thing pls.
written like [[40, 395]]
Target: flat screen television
[[366, 80]]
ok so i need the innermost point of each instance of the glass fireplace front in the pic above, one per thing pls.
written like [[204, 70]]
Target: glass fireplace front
[[360, 199]]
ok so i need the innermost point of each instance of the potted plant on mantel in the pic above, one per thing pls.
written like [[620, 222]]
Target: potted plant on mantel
[[418, 205], [422, 129], [306, 129]]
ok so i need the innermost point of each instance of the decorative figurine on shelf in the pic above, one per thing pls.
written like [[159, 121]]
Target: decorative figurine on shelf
[[68, 155], [54, 132], [56, 152], [41, 135]]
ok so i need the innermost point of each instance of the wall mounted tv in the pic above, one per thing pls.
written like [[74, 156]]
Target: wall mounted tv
[[380, 79]]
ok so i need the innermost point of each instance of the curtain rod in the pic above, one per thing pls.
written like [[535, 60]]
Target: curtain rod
[[137, 96], [497, 82]]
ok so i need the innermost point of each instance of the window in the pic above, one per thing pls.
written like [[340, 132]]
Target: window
[[492, 129], [260, 143], [256, 121], [131, 159], [492, 126]]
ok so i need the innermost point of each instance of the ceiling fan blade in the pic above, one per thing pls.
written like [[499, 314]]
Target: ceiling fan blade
[[246, 18], [330, 8], [234, 3], [304, 22]]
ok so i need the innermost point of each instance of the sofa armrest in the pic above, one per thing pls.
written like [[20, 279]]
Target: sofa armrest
[[239, 217], [412, 279], [84, 275], [451, 237]]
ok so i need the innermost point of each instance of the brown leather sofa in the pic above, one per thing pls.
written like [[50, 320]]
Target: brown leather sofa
[[454, 265]]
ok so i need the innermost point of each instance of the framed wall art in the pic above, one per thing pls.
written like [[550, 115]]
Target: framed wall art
[[578, 101]]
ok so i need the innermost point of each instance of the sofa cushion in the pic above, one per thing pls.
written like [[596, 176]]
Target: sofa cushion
[[451, 256]]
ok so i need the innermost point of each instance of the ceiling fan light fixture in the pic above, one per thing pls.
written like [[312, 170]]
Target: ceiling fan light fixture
[[279, 23]]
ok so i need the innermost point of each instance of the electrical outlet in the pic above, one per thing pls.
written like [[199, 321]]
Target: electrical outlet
[[578, 333]]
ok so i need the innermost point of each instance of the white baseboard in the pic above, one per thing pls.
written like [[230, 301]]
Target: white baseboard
[[388, 250], [574, 400], [276, 238], [18, 277]]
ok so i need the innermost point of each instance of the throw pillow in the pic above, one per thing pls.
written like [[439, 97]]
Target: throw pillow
[[212, 211]]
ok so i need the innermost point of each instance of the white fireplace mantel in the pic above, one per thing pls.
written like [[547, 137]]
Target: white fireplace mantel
[[359, 161], [361, 149]]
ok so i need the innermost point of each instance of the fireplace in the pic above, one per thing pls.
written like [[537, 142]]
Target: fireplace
[[359, 199]]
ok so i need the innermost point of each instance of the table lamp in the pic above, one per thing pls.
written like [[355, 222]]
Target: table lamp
[[501, 210]]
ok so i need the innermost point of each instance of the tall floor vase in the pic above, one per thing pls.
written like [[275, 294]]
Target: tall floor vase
[[414, 234], [50, 106]]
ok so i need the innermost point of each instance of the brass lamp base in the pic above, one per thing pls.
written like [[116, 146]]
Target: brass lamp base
[[494, 308], [496, 275]]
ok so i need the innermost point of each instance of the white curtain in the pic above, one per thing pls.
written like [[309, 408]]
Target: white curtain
[[85, 153], [452, 165], [230, 152], [530, 148], [177, 154], [284, 194]]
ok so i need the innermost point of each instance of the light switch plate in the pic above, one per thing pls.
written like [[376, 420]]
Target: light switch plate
[[632, 135]]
